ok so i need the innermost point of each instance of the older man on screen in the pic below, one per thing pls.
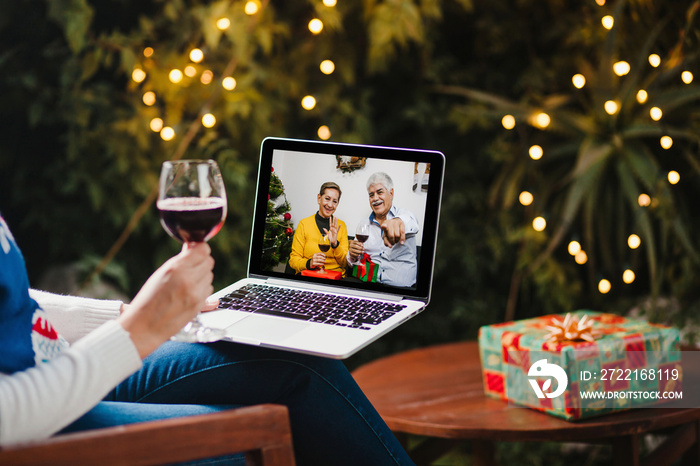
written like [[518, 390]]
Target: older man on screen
[[388, 256]]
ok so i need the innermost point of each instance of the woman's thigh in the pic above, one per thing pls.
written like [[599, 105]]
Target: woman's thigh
[[329, 414]]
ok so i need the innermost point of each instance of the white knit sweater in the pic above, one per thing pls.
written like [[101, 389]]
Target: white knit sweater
[[38, 402]]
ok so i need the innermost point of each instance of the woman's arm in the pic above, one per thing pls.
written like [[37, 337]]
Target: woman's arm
[[41, 400], [296, 258], [75, 317]]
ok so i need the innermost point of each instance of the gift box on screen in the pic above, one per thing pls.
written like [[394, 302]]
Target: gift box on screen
[[581, 364]]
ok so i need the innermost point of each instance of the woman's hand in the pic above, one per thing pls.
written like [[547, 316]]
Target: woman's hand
[[317, 260], [332, 234], [170, 298]]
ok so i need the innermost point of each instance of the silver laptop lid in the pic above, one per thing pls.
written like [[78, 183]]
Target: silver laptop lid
[[291, 173]]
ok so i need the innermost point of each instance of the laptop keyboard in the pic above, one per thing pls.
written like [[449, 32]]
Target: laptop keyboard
[[310, 306]]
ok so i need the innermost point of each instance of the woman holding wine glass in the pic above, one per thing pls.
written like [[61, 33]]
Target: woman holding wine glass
[[321, 240], [75, 364]]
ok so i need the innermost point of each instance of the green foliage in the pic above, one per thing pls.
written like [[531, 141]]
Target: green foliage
[[79, 159]]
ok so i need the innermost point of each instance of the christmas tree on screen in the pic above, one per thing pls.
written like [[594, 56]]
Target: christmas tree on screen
[[279, 229]]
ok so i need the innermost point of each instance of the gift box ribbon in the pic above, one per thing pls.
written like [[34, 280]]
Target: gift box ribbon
[[366, 271]]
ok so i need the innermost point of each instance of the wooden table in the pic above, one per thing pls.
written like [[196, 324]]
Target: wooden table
[[438, 392]]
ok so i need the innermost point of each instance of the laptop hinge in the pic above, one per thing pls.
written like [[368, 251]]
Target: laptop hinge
[[347, 291]]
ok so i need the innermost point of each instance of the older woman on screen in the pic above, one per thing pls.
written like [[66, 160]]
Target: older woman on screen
[[306, 254]]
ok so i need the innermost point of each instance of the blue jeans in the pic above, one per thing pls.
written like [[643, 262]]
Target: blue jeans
[[332, 421]]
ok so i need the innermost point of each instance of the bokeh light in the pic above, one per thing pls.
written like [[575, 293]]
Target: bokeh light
[[167, 133], [508, 122], [666, 142], [539, 223], [315, 26], [611, 107], [654, 60], [604, 286], [578, 80], [628, 276], [574, 247], [149, 98], [138, 75], [324, 132], [655, 113], [526, 198], [308, 102], [536, 152], [327, 67], [223, 23], [642, 96], [208, 120], [634, 241], [644, 200], [228, 83], [581, 257], [608, 22], [196, 55], [175, 76], [687, 77], [156, 125], [674, 177], [621, 68]]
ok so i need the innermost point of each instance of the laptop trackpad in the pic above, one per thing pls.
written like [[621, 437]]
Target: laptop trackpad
[[266, 328]]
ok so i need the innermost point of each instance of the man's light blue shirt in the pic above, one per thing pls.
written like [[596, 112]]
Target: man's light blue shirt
[[397, 265]]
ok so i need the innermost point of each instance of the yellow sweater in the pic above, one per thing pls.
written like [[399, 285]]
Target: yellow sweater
[[305, 245]]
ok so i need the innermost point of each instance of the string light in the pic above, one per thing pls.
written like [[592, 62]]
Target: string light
[[167, 133], [149, 98], [148, 52], [604, 286], [508, 122], [324, 132], [633, 241], [655, 113], [666, 142], [674, 177], [687, 77], [654, 60], [600, 2], [578, 80], [327, 67], [190, 71], [315, 26], [308, 102], [574, 248], [628, 276], [251, 8], [156, 125], [539, 223], [642, 96], [223, 23], [196, 55], [581, 257], [608, 22], [330, 3], [611, 107], [526, 198], [206, 77], [175, 76], [208, 120], [536, 152], [621, 68], [138, 75], [644, 200], [542, 120], [228, 83]]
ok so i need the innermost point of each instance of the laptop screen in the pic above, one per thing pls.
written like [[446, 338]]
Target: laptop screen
[[311, 190]]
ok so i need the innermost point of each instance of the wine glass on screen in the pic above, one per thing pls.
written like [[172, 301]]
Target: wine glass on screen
[[324, 245], [192, 205], [362, 232]]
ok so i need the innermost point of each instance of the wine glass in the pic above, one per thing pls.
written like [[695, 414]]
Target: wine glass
[[324, 245], [362, 232], [192, 205]]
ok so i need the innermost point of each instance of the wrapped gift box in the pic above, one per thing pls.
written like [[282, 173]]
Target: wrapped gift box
[[628, 363], [327, 274]]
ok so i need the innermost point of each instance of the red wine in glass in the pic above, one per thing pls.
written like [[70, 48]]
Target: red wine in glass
[[191, 219], [362, 232], [324, 247]]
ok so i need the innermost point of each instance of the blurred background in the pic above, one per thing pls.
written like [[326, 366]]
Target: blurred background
[[571, 131]]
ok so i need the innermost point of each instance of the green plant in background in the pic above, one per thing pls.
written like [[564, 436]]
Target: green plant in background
[[598, 164]]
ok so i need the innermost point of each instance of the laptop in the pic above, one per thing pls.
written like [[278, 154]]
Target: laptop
[[327, 314]]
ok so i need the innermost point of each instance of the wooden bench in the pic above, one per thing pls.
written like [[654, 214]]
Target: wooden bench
[[262, 432]]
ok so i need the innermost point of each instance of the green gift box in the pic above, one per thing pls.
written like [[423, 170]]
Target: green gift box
[[629, 363]]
